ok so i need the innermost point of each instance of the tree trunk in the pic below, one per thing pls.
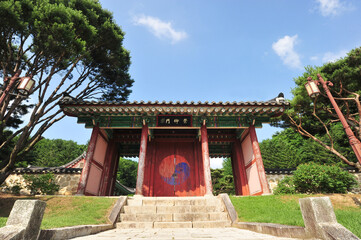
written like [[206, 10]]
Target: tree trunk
[[4, 174]]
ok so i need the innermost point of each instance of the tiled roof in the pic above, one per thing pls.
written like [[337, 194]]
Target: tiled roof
[[177, 103], [75, 161], [48, 170], [271, 108], [288, 171], [38, 170]]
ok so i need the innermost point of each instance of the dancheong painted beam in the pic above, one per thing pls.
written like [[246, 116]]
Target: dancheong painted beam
[[174, 142]]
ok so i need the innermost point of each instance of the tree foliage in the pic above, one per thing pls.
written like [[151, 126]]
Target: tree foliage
[[222, 182], [227, 166], [288, 149], [127, 172], [52, 153], [316, 118], [68, 47]]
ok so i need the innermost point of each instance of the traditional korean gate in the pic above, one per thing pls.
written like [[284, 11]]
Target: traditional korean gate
[[177, 169]]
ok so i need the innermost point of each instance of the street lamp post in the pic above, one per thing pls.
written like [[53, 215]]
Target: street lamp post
[[313, 91], [24, 87]]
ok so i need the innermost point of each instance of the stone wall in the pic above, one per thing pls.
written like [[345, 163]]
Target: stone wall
[[273, 180], [68, 183], [276, 176]]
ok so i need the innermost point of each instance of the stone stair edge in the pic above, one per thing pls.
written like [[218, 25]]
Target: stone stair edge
[[185, 224], [165, 198], [174, 217], [173, 209]]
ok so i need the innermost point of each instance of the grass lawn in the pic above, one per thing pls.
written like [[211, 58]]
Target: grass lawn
[[67, 211], [285, 209], [3, 221]]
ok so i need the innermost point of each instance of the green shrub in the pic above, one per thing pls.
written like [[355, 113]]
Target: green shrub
[[285, 186], [41, 184], [315, 178]]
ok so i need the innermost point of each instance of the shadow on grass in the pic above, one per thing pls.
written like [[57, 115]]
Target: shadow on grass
[[7, 202]]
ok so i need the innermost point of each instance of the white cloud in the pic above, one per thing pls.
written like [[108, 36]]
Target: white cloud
[[161, 29], [332, 57], [330, 7], [284, 48], [314, 58], [216, 163]]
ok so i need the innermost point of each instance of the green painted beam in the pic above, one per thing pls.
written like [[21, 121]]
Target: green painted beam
[[137, 121]]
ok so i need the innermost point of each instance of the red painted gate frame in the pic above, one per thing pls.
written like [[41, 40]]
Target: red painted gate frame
[[110, 165]]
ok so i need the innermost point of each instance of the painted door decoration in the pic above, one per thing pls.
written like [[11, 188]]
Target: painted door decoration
[[253, 163], [173, 170]]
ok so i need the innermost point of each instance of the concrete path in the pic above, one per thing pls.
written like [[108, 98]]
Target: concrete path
[[181, 233]]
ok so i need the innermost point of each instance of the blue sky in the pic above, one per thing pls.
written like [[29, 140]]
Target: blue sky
[[226, 50]]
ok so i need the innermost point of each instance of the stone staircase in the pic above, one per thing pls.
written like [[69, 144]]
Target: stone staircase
[[174, 212]]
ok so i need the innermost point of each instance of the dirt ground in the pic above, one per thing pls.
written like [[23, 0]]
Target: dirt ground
[[339, 201]]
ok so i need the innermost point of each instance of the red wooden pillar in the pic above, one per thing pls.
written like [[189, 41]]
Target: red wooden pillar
[[206, 161], [239, 170], [259, 162], [141, 163], [88, 159]]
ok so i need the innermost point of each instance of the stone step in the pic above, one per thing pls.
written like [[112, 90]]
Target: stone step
[[172, 225], [189, 209], [134, 202], [221, 216], [189, 224], [173, 201], [176, 217], [211, 224], [173, 209], [141, 217], [179, 217], [174, 212], [135, 225], [139, 209]]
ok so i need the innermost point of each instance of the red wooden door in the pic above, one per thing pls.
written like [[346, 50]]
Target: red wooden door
[[164, 170], [185, 169], [97, 165], [176, 172]]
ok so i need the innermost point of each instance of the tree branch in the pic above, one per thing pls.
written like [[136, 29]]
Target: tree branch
[[305, 133]]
